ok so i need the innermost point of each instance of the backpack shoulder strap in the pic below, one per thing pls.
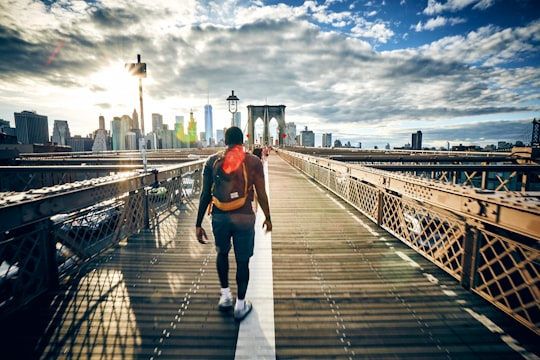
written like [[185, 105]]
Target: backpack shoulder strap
[[219, 156]]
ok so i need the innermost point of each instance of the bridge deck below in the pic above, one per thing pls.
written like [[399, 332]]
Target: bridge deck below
[[338, 288]]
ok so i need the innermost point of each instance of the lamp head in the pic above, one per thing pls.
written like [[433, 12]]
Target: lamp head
[[233, 102]]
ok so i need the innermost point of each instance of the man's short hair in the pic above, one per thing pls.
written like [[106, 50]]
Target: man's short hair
[[234, 136]]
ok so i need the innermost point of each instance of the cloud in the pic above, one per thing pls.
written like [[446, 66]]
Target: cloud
[[484, 4], [440, 135], [279, 54], [488, 46], [437, 22], [434, 7], [485, 133], [377, 30]]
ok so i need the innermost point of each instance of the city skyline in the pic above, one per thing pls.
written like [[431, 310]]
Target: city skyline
[[371, 72], [415, 142]]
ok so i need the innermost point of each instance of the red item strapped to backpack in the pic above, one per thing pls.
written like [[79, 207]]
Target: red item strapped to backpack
[[234, 157]]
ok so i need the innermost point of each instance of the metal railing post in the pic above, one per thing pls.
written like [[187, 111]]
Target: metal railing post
[[380, 195], [470, 251], [50, 256]]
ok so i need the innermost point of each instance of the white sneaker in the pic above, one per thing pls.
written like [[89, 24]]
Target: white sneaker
[[225, 303], [240, 314]]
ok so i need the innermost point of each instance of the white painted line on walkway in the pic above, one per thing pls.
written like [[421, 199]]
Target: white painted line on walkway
[[256, 336]]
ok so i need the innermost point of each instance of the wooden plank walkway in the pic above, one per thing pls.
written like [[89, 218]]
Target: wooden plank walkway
[[338, 288]]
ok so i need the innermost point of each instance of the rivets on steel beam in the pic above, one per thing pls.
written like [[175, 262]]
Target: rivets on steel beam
[[473, 207]]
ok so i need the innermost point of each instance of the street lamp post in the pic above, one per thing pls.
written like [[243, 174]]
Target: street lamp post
[[138, 69], [233, 105]]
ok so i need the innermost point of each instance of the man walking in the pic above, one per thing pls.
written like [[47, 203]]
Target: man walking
[[232, 214]]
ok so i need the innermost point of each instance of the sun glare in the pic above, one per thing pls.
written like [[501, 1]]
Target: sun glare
[[115, 85]]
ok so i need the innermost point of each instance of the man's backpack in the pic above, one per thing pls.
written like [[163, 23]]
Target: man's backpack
[[229, 191]]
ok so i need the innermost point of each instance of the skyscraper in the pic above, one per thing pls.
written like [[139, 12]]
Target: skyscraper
[[31, 128], [327, 140], [131, 140], [208, 125], [118, 134], [290, 131], [179, 131], [192, 129], [60, 132], [307, 137], [219, 137], [237, 120], [134, 120], [101, 139], [157, 122], [101, 122], [417, 140]]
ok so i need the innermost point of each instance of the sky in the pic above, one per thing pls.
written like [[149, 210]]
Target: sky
[[370, 72]]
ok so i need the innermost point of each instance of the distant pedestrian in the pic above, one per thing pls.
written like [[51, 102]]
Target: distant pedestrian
[[233, 222], [258, 152]]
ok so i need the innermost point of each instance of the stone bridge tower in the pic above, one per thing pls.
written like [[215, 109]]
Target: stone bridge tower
[[266, 113]]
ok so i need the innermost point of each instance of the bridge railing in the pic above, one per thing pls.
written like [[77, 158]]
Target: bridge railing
[[46, 233], [488, 241]]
